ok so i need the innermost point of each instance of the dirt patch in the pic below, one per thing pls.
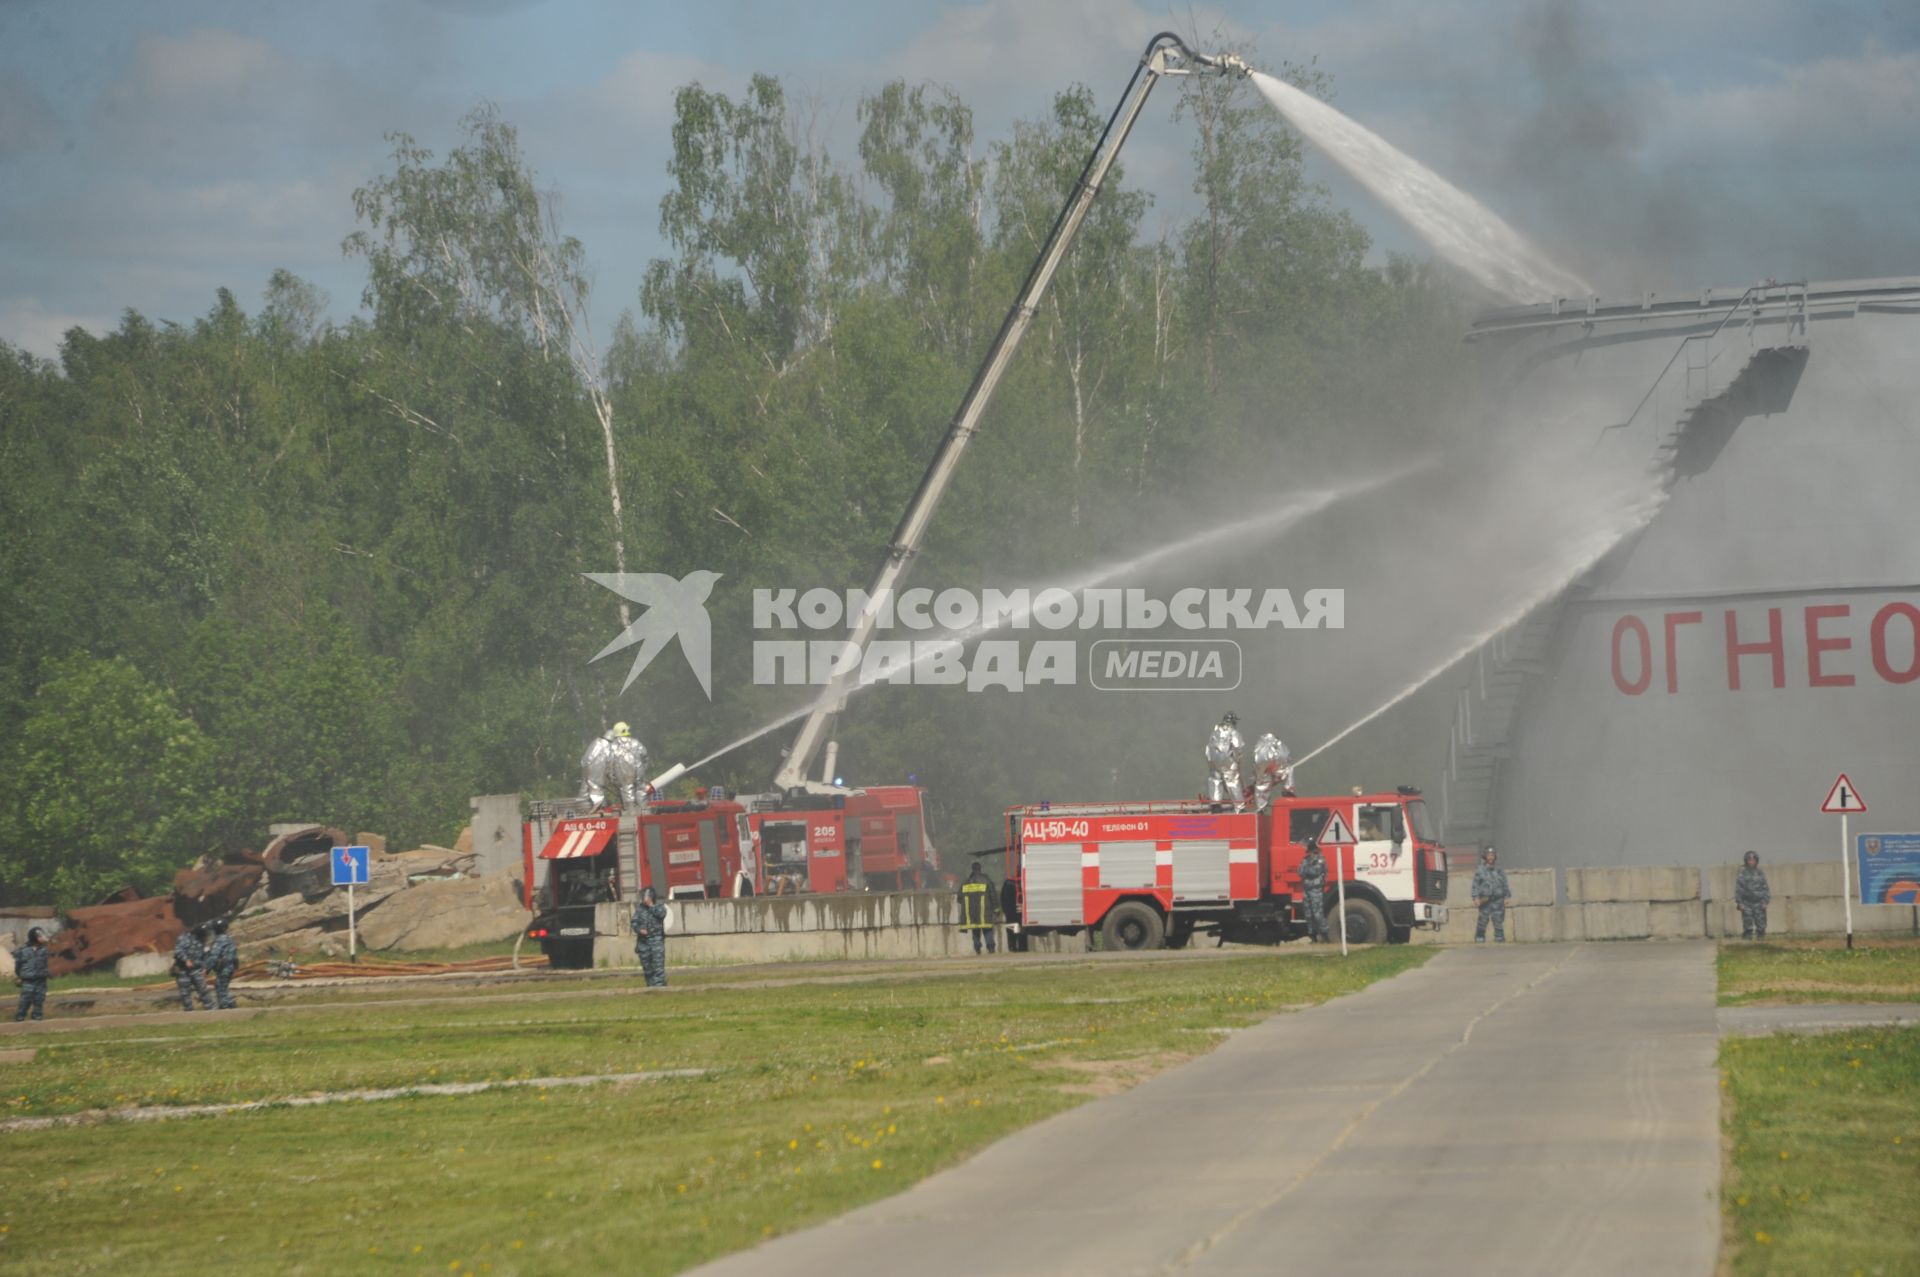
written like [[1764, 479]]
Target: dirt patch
[[1110, 1077]]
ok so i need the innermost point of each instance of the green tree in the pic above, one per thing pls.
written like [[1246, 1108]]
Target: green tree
[[473, 238], [107, 784]]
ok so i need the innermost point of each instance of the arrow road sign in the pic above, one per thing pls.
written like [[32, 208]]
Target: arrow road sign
[[350, 866], [1338, 832], [1843, 799]]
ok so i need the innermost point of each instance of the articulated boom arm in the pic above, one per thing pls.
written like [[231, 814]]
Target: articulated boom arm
[[1166, 54]]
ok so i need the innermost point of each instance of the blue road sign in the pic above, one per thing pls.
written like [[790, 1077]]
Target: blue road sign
[[351, 866], [1889, 868]]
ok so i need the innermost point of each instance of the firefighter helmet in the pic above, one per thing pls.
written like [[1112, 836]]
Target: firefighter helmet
[[219, 926], [1230, 718], [621, 729]]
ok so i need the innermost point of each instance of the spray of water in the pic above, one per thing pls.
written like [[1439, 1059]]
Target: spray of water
[[1568, 567], [1254, 529], [1453, 223], [754, 735]]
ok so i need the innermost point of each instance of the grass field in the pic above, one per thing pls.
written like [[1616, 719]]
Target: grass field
[[818, 1095], [1823, 1131], [1825, 970], [1824, 1141]]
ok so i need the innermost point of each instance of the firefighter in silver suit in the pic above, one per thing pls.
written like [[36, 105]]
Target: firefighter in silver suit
[[1272, 769], [1224, 748], [615, 761]]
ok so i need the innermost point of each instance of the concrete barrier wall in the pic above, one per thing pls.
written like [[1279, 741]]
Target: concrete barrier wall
[[1623, 903], [891, 924], [1660, 902]]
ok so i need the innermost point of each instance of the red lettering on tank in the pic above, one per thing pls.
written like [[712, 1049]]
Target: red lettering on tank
[[1674, 620], [1773, 645], [1639, 627], [1818, 643], [1881, 664]]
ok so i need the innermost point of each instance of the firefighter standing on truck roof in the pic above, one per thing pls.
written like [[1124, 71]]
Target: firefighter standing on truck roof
[[976, 907], [1491, 897], [1313, 891], [1272, 769], [650, 937], [614, 762], [1224, 747]]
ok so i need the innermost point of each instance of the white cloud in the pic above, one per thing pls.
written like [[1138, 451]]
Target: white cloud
[[205, 66], [1869, 99], [36, 328], [637, 95]]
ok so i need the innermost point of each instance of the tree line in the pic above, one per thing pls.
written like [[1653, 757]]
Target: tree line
[[263, 566]]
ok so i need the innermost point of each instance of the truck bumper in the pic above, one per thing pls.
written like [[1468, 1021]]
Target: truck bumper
[[1429, 915]]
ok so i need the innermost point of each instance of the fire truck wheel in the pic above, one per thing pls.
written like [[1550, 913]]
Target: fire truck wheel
[[1132, 925], [1365, 923]]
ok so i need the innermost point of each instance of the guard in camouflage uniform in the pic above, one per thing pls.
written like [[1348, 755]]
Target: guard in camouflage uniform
[[30, 970], [190, 968], [1313, 891], [1751, 896], [1491, 896], [650, 937], [223, 959]]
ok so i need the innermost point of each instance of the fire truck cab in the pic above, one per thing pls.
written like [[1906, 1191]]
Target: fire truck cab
[[1149, 874]]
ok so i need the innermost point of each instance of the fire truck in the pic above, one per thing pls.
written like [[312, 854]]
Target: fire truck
[[714, 846], [1150, 874]]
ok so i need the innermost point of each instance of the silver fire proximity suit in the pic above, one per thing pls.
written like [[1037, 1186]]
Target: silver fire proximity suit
[[1224, 747], [614, 763], [1272, 769]]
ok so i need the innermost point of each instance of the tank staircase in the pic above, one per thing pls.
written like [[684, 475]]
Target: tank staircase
[[1756, 348]]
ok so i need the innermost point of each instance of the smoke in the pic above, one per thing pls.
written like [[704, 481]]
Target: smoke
[[1727, 170]]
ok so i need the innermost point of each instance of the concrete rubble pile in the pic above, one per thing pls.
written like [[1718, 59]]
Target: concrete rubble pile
[[282, 901]]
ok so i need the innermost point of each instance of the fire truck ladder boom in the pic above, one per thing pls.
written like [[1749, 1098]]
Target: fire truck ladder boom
[[1166, 54]]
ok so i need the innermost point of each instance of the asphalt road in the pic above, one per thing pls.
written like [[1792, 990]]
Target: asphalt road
[[1517, 1109]]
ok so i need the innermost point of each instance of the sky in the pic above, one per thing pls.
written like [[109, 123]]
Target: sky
[[151, 154]]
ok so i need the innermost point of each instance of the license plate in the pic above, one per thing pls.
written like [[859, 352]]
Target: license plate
[[576, 931]]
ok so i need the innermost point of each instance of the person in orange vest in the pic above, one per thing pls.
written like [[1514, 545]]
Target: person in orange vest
[[976, 908]]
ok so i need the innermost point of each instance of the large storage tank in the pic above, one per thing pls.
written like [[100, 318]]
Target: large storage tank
[[1696, 693]]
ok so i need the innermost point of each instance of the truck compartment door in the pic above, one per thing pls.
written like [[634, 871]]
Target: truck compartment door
[[1125, 866], [1054, 893], [710, 854], [1200, 870], [656, 860]]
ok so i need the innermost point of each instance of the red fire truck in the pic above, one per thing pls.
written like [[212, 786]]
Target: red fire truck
[[873, 839], [1149, 874]]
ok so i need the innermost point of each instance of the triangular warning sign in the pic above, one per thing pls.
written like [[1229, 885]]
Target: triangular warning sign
[[1338, 832], [1843, 798]]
